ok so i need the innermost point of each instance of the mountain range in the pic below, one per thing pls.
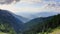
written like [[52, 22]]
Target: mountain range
[[37, 14], [24, 25], [42, 25], [25, 17]]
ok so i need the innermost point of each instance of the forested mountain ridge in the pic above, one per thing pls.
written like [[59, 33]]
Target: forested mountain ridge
[[44, 24], [11, 24], [8, 22]]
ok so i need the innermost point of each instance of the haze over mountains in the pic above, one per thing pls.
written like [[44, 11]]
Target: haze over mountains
[[26, 16], [23, 19], [31, 16], [22, 24]]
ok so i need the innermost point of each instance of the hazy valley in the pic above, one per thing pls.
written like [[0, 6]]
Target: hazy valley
[[11, 23]]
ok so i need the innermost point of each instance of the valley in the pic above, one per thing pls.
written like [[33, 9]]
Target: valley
[[13, 24]]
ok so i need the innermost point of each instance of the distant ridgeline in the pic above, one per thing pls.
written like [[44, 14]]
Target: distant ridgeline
[[42, 24]]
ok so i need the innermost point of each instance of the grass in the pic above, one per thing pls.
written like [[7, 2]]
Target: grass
[[3, 33], [54, 31]]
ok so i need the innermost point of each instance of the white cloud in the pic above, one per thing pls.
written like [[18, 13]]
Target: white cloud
[[50, 5], [31, 1], [47, 6]]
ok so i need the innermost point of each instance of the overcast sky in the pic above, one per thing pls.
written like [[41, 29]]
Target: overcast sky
[[30, 6]]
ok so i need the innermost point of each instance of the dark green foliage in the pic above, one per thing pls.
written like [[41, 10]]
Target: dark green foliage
[[6, 27], [9, 22], [44, 24]]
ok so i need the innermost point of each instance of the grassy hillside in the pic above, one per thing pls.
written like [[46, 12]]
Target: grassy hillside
[[3, 33], [54, 31]]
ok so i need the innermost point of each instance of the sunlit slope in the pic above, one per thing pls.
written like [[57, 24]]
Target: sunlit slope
[[56, 31], [3, 33]]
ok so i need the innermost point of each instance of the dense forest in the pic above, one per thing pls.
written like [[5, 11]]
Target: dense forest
[[42, 25], [5, 27]]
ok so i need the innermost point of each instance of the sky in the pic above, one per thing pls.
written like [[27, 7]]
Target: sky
[[30, 6]]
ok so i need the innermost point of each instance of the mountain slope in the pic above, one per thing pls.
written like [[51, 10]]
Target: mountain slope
[[44, 24], [29, 25], [56, 31], [23, 19], [7, 17]]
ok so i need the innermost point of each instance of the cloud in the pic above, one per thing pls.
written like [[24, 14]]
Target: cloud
[[31, 6], [53, 5], [30, 1], [8, 1]]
